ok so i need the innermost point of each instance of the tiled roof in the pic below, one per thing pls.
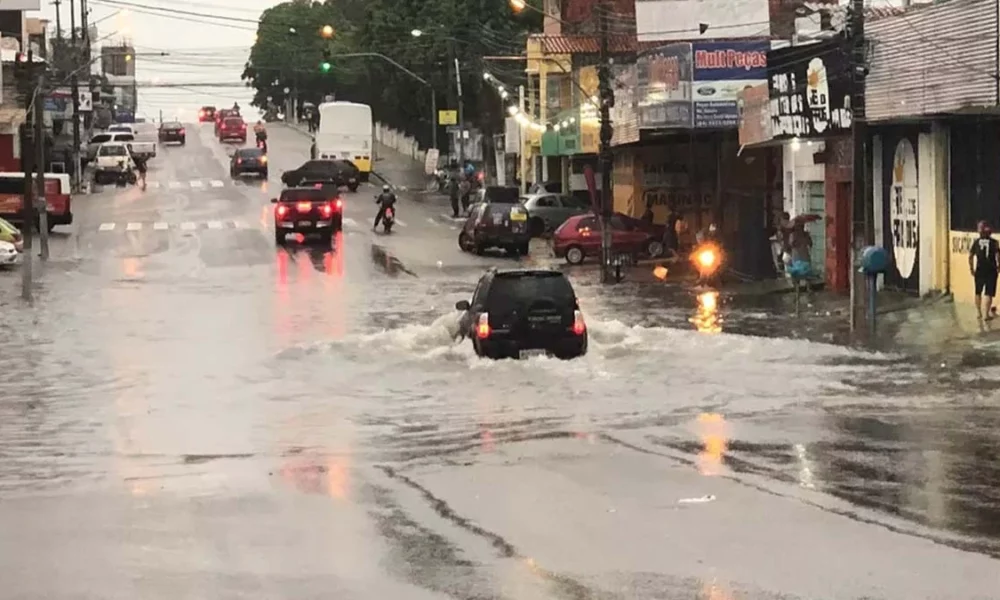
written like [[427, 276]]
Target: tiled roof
[[585, 44]]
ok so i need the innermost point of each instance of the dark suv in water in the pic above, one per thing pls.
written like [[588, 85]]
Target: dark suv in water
[[496, 226], [520, 313]]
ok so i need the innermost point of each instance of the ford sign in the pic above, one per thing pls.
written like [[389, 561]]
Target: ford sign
[[706, 91]]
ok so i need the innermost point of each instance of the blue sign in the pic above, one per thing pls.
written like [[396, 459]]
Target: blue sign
[[720, 71]]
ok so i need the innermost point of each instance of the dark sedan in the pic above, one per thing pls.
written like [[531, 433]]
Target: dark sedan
[[339, 172], [172, 132], [248, 160]]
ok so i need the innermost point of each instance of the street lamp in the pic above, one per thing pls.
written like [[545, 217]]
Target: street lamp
[[327, 31], [518, 5], [416, 33]]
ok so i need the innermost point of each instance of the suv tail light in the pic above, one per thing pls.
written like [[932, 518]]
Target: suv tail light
[[579, 326], [327, 210], [483, 326], [281, 210], [339, 203], [304, 206], [182, 131]]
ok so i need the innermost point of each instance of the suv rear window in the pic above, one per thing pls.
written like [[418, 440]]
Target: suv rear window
[[519, 289], [502, 195], [249, 152], [234, 122], [100, 138], [311, 194]]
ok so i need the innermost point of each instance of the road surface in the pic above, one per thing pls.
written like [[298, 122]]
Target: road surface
[[188, 411]]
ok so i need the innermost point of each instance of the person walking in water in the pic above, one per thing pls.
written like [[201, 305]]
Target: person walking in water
[[984, 264]]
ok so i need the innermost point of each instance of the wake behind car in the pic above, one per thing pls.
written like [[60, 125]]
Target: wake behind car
[[172, 132], [248, 160], [338, 172], [496, 226], [520, 313], [307, 211]]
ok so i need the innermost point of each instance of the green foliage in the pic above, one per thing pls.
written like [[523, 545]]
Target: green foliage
[[466, 29]]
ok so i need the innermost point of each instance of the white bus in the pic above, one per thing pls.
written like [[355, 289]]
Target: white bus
[[345, 132]]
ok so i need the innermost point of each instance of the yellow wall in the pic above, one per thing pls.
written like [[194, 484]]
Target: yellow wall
[[960, 280]]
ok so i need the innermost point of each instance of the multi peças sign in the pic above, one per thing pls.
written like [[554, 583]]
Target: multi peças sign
[[809, 88]]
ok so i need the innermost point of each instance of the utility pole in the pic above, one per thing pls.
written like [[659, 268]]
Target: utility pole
[[75, 90], [38, 103], [461, 117], [58, 5], [523, 158], [862, 217], [29, 96], [606, 160], [84, 24]]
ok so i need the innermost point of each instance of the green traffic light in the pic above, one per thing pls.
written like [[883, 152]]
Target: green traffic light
[[325, 67]]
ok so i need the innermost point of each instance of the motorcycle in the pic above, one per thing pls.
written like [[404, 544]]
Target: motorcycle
[[388, 219], [124, 176], [262, 143]]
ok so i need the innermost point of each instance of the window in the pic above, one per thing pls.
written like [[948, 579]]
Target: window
[[579, 202], [479, 297], [619, 223], [308, 194], [250, 153], [100, 138], [546, 202], [11, 185], [124, 137], [523, 289], [588, 223], [112, 150]]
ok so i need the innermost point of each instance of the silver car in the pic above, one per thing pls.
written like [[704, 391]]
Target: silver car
[[549, 211]]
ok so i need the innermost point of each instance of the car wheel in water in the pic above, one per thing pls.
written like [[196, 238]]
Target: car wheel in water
[[574, 255], [465, 242], [654, 248]]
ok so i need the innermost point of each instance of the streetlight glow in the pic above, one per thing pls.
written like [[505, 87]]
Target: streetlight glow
[[518, 5], [327, 31], [416, 33]]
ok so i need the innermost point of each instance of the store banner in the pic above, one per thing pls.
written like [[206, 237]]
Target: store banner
[[664, 87], [810, 90], [721, 71], [754, 108], [589, 115], [624, 114]]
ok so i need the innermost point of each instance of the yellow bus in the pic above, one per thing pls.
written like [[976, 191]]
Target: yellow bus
[[345, 132]]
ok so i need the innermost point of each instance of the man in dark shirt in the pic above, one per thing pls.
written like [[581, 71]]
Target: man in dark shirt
[[984, 263]]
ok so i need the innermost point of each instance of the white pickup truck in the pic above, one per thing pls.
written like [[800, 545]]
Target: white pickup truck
[[147, 149], [113, 158]]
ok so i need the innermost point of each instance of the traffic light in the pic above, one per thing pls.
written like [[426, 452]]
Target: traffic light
[[325, 66]]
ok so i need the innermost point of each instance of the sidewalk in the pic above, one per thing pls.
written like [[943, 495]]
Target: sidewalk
[[391, 167]]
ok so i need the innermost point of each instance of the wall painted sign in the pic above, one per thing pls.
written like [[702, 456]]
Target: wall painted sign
[[904, 208], [810, 93], [664, 82], [720, 72]]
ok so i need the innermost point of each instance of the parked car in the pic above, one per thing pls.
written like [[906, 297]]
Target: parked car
[[339, 172], [498, 194], [580, 237], [172, 132], [9, 255], [549, 211], [520, 313], [496, 226], [11, 235], [97, 140]]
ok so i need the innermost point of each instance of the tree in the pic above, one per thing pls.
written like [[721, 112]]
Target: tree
[[468, 29]]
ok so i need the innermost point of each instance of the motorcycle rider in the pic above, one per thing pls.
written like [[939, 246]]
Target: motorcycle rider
[[387, 199], [260, 133]]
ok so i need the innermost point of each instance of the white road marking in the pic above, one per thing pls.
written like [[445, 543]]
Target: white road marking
[[215, 224], [350, 222], [400, 223], [197, 183], [174, 185], [240, 225], [160, 226], [432, 220], [217, 184], [153, 184], [107, 227], [133, 227], [188, 226]]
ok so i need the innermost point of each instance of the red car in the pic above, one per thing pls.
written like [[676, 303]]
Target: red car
[[580, 236], [233, 128], [206, 114]]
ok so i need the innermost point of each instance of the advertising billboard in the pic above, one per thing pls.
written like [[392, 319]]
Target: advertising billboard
[[664, 87], [721, 71]]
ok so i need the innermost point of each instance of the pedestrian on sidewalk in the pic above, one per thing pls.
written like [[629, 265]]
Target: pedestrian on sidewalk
[[453, 195], [799, 266], [984, 264]]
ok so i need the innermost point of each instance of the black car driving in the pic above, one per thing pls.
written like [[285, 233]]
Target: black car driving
[[172, 131], [496, 226], [248, 160], [520, 313], [341, 172], [310, 210]]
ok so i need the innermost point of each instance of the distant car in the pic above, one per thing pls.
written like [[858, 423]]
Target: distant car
[[580, 237], [496, 226], [233, 128], [307, 211], [520, 313], [248, 160], [339, 172], [206, 114], [11, 234], [221, 115], [9, 254], [549, 211], [172, 132]]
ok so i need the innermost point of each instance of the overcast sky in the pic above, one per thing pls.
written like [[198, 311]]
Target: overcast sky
[[200, 48]]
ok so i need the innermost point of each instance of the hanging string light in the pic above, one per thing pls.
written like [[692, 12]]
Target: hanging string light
[[522, 119]]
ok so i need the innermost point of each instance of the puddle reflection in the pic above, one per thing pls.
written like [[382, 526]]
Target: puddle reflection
[[706, 318], [714, 434]]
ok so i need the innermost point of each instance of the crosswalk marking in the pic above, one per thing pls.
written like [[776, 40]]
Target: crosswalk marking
[[349, 225], [107, 227], [217, 184], [400, 223], [215, 224], [188, 226], [350, 222], [195, 183], [133, 227], [174, 185], [240, 224], [160, 226], [153, 184]]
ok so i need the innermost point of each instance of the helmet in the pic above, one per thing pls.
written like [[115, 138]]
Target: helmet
[[385, 188]]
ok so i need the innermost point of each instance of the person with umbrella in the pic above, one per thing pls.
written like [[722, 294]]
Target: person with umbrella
[[798, 258]]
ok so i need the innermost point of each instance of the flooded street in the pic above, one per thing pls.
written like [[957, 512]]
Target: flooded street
[[189, 411]]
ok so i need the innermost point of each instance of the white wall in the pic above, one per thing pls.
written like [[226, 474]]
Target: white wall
[[399, 141], [798, 166], [678, 19], [932, 165]]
